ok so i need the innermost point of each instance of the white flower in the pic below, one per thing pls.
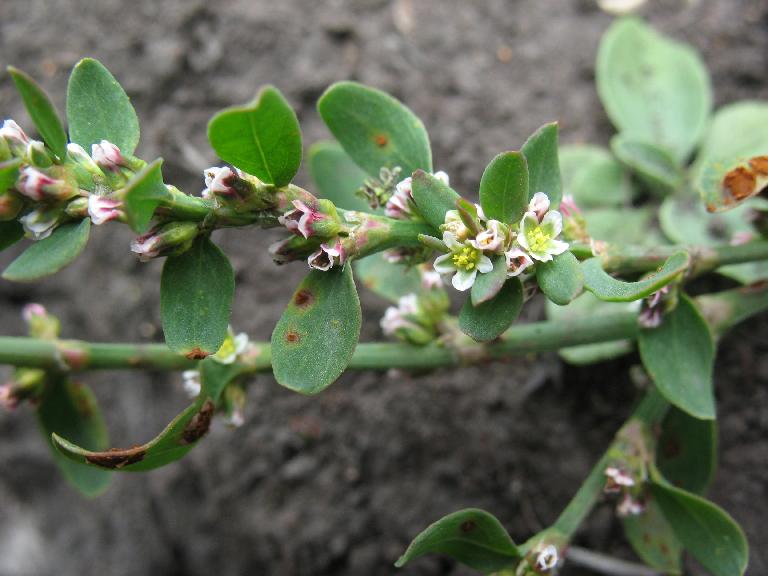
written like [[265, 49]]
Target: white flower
[[327, 256], [232, 347], [539, 205], [538, 238], [79, 155], [617, 479], [464, 261], [191, 382], [32, 311], [102, 209], [431, 280], [400, 205], [41, 222], [14, 135], [517, 262], [629, 507], [491, 239], [394, 320], [218, 180], [547, 559], [236, 418], [620, 7], [107, 155]]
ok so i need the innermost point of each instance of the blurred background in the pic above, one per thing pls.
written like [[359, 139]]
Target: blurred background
[[340, 483]]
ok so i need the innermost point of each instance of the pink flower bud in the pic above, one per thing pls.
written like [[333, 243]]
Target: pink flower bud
[[617, 480], [41, 222], [32, 311], [539, 205], [491, 239], [568, 207], [400, 204], [14, 136], [431, 280], [517, 262], [300, 219], [327, 256], [8, 399], [163, 240], [219, 180], [38, 186], [107, 156], [102, 209], [629, 507]]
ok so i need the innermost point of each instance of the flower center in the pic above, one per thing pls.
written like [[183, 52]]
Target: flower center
[[538, 240], [466, 258]]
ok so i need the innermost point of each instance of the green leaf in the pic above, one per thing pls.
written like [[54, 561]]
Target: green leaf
[[653, 164], [10, 233], [679, 356], [653, 539], [706, 531], [51, 254], [143, 194], [71, 410], [375, 129], [589, 305], [9, 172], [623, 226], [593, 177], [262, 138], [471, 536], [504, 188], [314, 339], [561, 279], [686, 452], [738, 133], [541, 153], [486, 286], [433, 197], [41, 111], [610, 289], [336, 176], [653, 89], [99, 109], [490, 319], [196, 292], [390, 281]]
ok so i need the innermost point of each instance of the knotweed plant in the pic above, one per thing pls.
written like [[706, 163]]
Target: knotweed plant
[[573, 223]]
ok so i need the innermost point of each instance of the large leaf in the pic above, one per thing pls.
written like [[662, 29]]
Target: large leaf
[[196, 292], [262, 138], [98, 108], [472, 536], [51, 254], [337, 177], [143, 194], [10, 233], [679, 356], [433, 197], [653, 89], [541, 153], [314, 339], [388, 280], [41, 111], [561, 279], [653, 164], [490, 319], [504, 188], [375, 129], [593, 177], [706, 531], [71, 410], [653, 539], [686, 452], [607, 288]]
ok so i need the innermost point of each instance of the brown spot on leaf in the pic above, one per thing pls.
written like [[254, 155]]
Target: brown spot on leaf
[[116, 458], [664, 548], [467, 526], [199, 424], [759, 165], [671, 448], [739, 183], [292, 337], [646, 538], [304, 298], [197, 354], [381, 140]]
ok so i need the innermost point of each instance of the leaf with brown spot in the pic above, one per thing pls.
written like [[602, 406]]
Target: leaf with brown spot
[[653, 540]]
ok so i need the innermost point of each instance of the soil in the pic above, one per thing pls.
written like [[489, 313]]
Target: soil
[[340, 483]]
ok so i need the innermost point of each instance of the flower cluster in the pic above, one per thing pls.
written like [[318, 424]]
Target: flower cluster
[[416, 318], [401, 204], [618, 481], [470, 240]]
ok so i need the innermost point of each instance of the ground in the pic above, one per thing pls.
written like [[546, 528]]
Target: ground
[[340, 483]]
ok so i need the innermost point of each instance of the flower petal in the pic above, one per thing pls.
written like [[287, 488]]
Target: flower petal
[[444, 264], [450, 240], [557, 247], [463, 279], [553, 223], [484, 265]]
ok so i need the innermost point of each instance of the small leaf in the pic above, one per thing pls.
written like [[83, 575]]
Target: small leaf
[[51, 254], [561, 279], [653, 164], [336, 176], [653, 89], [593, 177], [314, 339], [262, 138], [143, 194], [390, 281], [375, 129], [196, 292], [686, 453], [433, 197], [487, 285], [41, 111], [10, 233], [706, 531], [653, 539], [472, 536], [99, 109], [541, 153], [9, 172], [504, 188], [490, 319], [610, 289], [71, 410], [679, 356]]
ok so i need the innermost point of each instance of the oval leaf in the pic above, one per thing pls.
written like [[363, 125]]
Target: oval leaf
[[336, 176], [490, 319], [472, 536], [314, 339], [433, 197], [98, 108], [706, 531], [653, 539], [561, 279], [653, 89], [541, 153], [653, 165], [51, 254], [593, 177], [390, 281], [679, 356], [196, 292], [686, 453], [71, 410], [262, 138], [607, 288], [486, 286], [41, 111], [375, 129], [504, 188], [143, 194]]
